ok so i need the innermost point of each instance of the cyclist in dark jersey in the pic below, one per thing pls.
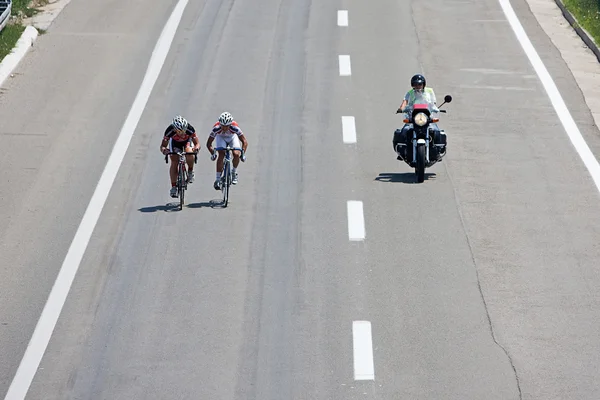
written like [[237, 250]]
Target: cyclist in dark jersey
[[180, 136]]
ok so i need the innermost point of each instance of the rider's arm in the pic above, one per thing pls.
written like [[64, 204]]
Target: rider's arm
[[213, 133], [163, 145], [240, 134], [404, 103], [191, 131], [196, 142], [244, 142], [209, 142], [166, 138]]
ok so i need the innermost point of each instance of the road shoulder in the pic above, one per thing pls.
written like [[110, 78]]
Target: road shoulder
[[33, 26], [580, 60]]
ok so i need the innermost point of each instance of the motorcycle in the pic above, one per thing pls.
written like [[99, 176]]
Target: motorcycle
[[427, 144]]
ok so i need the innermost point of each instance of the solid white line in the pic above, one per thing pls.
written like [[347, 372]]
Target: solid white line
[[343, 18], [345, 69], [356, 221], [557, 101], [349, 129], [364, 368], [45, 326]]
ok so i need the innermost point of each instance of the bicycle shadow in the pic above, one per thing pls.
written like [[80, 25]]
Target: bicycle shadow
[[205, 204], [174, 206], [405, 177], [169, 207]]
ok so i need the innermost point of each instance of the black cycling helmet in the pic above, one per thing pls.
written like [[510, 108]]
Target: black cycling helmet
[[418, 79]]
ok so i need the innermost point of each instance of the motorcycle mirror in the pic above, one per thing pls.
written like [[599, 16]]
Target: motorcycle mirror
[[447, 99]]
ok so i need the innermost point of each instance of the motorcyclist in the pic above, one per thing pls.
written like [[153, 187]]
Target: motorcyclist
[[419, 94]]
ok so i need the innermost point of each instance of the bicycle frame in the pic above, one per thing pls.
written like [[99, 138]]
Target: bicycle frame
[[227, 174], [182, 174]]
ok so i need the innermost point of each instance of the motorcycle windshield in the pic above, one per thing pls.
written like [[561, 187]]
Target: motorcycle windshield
[[422, 102]]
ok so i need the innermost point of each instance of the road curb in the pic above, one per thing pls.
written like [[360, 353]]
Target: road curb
[[10, 62], [580, 31]]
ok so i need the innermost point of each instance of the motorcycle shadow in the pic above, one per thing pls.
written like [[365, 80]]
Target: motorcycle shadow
[[404, 177]]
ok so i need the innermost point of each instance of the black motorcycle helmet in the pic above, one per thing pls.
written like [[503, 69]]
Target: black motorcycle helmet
[[418, 79]]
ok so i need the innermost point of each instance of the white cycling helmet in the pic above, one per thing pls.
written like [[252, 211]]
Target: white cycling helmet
[[180, 123], [225, 119]]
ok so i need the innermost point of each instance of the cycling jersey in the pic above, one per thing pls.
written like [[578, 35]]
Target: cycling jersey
[[218, 131], [171, 133]]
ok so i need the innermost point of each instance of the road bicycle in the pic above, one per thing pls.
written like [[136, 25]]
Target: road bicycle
[[227, 175], [182, 173]]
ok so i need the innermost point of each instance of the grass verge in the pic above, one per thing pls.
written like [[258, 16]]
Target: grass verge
[[587, 13], [13, 30], [8, 38], [21, 8]]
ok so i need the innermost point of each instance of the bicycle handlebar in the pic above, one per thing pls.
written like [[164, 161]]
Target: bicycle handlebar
[[173, 153], [229, 148]]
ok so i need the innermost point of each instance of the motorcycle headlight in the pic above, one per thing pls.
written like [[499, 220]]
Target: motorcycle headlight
[[420, 119]]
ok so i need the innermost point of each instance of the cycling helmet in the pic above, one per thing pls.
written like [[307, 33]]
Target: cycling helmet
[[418, 80], [225, 119], [180, 123]]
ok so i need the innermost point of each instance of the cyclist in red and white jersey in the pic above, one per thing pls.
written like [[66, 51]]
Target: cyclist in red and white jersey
[[227, 132]]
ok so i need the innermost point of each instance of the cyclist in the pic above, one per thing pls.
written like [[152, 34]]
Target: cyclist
[[227, 132], [179, 136]]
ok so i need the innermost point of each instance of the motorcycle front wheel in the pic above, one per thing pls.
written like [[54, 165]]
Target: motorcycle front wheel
[[421, 161]]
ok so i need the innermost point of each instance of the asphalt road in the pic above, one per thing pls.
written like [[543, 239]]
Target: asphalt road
[[478, 283]]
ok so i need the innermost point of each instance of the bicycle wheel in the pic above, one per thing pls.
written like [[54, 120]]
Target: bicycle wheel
[[225, 183], [181, 186]]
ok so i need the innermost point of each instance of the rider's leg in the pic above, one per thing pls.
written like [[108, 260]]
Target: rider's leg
[[220, 143], [236, 161], [190, 162], [220, 158], [173, 175], [236, 158], [189, 157], [173, 170], [220, 162], [235, 143]]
